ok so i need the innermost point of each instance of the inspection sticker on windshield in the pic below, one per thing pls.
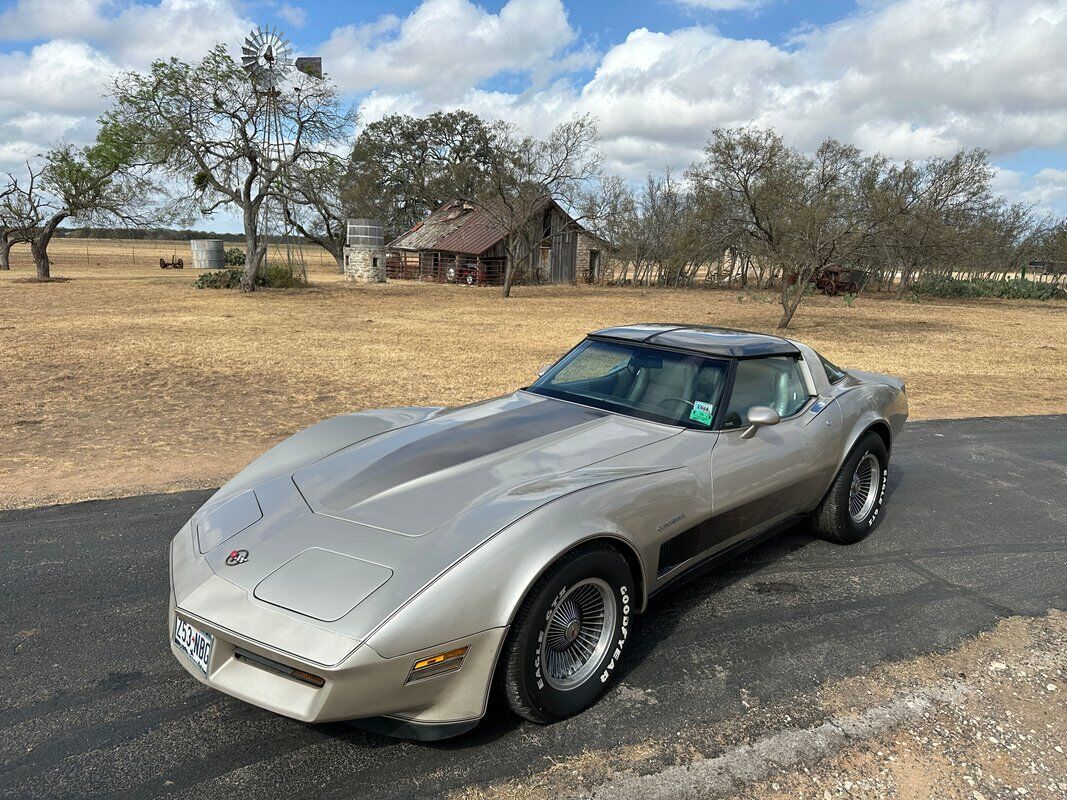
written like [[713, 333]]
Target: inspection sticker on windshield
[[702, 412]]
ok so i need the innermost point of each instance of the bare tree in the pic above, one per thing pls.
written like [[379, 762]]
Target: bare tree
[[798, 213], [926, 208], [314, 206], [206, 124], [525, 174], [12, 217]]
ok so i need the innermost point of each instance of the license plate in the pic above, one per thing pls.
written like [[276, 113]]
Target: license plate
[[194, 643]]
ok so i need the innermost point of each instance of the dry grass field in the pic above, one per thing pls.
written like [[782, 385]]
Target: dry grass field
[[127, 379]]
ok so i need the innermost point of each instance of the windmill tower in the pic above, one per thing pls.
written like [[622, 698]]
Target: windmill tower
[[267, 57]]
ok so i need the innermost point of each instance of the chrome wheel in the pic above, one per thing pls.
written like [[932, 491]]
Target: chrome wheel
[[577, 634], [866, 483]]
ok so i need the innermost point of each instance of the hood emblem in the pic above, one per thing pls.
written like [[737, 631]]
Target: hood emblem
[[236, 557]]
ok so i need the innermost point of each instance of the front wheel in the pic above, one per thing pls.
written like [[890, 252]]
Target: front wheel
[[567, 638], [853, 505]]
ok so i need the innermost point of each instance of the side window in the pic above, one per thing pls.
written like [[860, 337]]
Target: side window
[[834, 373], [774, 381]]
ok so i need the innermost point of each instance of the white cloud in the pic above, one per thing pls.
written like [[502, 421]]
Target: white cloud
[[444, 47], [1046, 189], [47, 19], [294, 15], [58, 75], [55, 90]]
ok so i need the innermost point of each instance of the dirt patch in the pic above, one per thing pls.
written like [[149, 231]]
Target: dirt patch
[[53, 279], [131, 380], [988, 720]]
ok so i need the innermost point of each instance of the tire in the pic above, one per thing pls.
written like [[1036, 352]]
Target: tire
[[535, 654], [842, 517]]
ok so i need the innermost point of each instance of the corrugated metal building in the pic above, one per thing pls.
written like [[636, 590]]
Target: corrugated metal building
[[460, 242]]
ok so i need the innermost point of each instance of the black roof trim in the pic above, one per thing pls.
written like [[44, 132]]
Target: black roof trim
[[703, 339]]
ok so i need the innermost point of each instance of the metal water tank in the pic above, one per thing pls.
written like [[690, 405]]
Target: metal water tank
[[365, 232], [208, 253]]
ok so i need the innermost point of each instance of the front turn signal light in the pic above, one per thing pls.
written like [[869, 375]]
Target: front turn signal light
[[438, 664]]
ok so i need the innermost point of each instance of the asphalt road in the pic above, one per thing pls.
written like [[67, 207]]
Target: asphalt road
[[94, 706]]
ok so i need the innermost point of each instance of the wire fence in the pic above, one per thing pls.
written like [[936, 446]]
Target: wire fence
[[71, 253]]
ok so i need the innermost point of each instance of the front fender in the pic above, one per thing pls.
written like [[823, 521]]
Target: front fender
[[319, 441], [485, 588]]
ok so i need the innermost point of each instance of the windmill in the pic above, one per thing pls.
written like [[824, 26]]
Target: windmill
[[267, 58]]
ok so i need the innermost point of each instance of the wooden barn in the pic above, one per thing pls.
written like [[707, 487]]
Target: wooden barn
[[460, 243]]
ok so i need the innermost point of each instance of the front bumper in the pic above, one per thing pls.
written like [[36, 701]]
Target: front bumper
[[363, 685]]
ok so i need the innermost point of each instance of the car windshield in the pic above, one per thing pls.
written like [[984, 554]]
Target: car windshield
[[659, 385]]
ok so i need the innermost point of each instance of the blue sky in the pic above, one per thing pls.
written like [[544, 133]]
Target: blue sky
[[910, 78]]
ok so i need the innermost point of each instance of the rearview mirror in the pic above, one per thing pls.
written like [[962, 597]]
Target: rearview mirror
[[760, 417], [646, 362]]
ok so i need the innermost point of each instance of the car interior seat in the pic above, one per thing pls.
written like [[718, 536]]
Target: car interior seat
[[676, 378]]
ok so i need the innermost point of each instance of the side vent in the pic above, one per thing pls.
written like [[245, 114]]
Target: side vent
[[678, 549]]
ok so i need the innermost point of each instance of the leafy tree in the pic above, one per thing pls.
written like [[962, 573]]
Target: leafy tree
[[102, 183], [204, 125], [402, 168]]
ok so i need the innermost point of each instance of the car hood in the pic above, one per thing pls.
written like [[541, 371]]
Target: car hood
[[348, 539], [415, 480]]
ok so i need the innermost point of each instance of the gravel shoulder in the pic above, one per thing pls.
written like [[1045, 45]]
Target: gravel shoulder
[[988, 720]]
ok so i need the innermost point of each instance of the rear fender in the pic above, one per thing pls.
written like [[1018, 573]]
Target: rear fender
[[871, 407]]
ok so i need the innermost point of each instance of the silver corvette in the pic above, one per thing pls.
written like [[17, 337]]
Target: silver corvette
[[393, 567]]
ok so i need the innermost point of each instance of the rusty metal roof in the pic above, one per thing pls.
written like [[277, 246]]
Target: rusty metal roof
[[456, 227]]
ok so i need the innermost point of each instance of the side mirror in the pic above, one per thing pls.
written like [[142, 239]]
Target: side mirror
[[759, 417]]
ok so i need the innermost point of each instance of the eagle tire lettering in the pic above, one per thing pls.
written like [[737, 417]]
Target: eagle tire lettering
[[881, 496], [538, 677]]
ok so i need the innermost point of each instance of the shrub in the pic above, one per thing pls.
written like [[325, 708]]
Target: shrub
[[279, 276], [1015, 289], [235, 257], [223, 279], [275, 276]]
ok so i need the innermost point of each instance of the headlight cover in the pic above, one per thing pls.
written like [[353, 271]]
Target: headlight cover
[[227, 520]]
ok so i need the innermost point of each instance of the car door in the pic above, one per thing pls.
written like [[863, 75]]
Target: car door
[[782, 470]]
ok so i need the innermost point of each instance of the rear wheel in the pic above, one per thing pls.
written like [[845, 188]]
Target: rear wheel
[[568, 636], [853, 505]]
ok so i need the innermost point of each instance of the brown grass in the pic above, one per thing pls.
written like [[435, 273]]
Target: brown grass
[[127, 378]]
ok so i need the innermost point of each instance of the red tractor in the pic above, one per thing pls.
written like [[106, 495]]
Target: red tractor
[[840, 280], [471, 273]]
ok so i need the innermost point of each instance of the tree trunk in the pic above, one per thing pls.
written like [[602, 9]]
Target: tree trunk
[[255, 252], [39, 245], [509, 274], [5, 253], [40, 258], [509, 266], [340, 259], [791, 296]]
